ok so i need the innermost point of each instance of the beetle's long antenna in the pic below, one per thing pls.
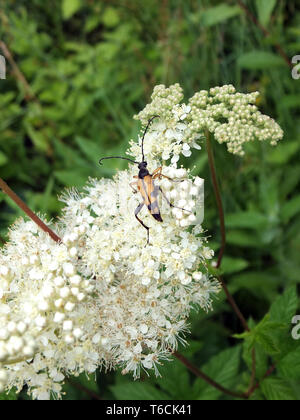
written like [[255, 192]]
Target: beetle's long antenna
[[117, 157], [148, 125]]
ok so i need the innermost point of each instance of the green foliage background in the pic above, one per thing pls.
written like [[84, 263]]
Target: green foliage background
[[91, 65]]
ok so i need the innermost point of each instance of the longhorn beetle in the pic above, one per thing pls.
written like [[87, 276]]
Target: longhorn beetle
[[145, 185]]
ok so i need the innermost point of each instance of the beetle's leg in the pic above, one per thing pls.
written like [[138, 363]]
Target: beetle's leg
[[138, 209], [167, 177], [157, 174], [170, 204], [132, 184]]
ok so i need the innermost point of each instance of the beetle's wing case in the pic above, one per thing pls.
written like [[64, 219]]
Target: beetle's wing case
[[150, 193]]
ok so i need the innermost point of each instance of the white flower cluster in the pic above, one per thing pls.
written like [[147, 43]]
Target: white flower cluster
[[187, 193], [231, 116], [131, 314], [40, 290], [169, 135], [144, 293]]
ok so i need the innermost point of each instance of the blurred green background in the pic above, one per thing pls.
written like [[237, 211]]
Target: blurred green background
[[85, 68]]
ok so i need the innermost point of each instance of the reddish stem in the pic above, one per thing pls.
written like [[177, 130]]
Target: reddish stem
[[20, 203], [207, 379]]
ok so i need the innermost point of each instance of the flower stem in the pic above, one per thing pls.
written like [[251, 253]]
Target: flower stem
[[230, 298], [20, 203], [233, 304], [212, 166], [257, 385], [206, 378]]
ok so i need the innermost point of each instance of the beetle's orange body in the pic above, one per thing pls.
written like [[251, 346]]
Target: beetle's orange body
[[148, 191]]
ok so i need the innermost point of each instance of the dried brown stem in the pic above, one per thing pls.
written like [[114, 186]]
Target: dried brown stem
[[20, 203], [17, 72]]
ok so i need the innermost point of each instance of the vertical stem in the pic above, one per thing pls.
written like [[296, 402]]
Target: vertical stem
[[234, 305], [230, 298], [212, 167], [253, 375]]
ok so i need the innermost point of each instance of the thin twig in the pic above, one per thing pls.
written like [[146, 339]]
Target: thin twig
[[19, 75], [264, 30], [233, 304], [207, 379], [20, 203]]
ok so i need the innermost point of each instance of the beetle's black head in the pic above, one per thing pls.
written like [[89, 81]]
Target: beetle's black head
[[143, 165], [143, 170]]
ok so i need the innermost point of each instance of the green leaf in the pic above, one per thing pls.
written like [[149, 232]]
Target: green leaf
[[276, 389], [76, 388], [260, 60], [170, 372], [267, 336], [3, 159], [219, 14], [264, 10], [289, 101], [289, 366], [223, 368], [70, 7], [233, 265], [71, 178], [290, 209], [261, 358], [261, 284], [9, 396], [249, 219], [285, 307], [281, 154], [242, 238], [91, 149], [137, 391], [38, 137], [110, 17]]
